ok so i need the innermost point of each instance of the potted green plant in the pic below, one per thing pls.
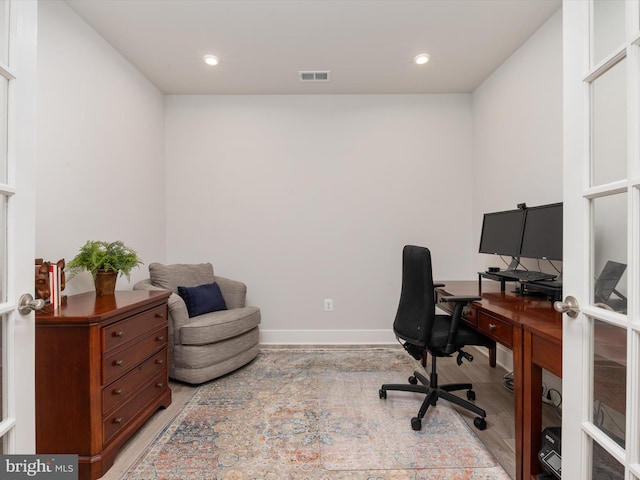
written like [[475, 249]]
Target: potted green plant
[[104, 261]]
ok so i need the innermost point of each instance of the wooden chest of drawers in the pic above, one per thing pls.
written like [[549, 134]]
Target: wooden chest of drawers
[[101, 372]]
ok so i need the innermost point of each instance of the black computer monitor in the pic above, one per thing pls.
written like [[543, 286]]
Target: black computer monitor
[[502, 232], [542, 234]]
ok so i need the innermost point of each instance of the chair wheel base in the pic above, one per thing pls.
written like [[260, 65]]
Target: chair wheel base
[[383, 394], [416, 424], [480, 423], [471, 395], [413, 380]]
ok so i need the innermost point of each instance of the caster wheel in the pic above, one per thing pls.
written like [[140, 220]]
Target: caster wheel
[[471, 395], [480, 423], [416, 424], [383, 394], [413, 380]]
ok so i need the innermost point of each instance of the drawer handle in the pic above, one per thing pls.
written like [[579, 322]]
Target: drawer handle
[[159, 361], [119, 334], [117, 391], [118, 363], [160, 338], [159, 315], [159, 384], [117, 420], [492, 327]]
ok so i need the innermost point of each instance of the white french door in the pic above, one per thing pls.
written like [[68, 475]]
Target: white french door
[[18, 19], [601, 346]]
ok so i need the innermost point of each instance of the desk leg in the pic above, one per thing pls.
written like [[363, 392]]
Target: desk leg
[[492, 357], [518, 403], [532, 411]]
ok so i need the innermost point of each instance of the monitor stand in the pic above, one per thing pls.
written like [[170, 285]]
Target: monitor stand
[[515, 261]]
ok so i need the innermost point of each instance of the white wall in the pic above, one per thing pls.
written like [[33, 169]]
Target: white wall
[[517, 131], [301, 197], [311, 197], [517, 139], [100, 152]]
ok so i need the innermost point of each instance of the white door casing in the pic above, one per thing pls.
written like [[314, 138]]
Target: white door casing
[[17, 427]]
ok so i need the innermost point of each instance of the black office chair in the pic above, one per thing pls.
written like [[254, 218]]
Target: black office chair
[[421, 330]]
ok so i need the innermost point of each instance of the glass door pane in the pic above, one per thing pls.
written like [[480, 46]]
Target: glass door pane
[[609, 367], [604, 466], [609, 125], [4, 32], [608, 28], [610, 252], [3, 249], [4, 92]]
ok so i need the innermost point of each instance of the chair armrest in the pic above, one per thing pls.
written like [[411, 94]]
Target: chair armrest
[[146, 285], [178, 313], [233, 292], [460, 301]]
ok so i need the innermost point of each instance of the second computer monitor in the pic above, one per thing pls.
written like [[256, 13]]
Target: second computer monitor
[[542, 234]]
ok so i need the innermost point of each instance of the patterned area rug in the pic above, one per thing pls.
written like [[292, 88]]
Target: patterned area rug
[[315, 415]]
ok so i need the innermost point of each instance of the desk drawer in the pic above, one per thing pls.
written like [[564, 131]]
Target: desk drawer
[[122, 361], [121, 390], [122, 332], [546, 354], [119, 419], [498, 330]]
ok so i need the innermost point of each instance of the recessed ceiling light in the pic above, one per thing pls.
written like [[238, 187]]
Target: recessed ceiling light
[[211, 60], [422, 58]]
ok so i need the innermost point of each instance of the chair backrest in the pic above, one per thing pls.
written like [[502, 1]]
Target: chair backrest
[[416, 310], [180, 275], [608, 280]]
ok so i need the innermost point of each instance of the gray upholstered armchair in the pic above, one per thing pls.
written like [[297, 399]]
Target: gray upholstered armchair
[[205, 345]]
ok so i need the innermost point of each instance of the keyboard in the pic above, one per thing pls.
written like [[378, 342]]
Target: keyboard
[[523, 275]]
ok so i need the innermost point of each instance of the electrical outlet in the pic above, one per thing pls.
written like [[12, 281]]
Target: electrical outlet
[[328, 304]]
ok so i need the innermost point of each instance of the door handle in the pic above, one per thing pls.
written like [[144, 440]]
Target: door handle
[[570, 306], [27, 303]]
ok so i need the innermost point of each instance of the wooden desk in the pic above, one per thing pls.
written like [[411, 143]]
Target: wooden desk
[[532, 330]]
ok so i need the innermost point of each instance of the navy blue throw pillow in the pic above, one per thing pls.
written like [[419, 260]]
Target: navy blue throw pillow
[[202, 299]]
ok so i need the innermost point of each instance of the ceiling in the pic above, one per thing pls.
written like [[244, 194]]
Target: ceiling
[[367, 45]]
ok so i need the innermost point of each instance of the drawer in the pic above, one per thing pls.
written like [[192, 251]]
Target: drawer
[[120, 362], [121, 390], [116, 421], [546, 354], [470, 316], [498, 330], [122, 332]]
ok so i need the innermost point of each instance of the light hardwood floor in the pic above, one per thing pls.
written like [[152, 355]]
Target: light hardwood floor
[[487, 383]]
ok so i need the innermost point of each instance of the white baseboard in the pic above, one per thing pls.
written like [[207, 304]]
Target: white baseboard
[[504, 358], [327, 337]]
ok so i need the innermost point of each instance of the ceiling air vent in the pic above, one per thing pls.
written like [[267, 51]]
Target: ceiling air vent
[[323, 76]]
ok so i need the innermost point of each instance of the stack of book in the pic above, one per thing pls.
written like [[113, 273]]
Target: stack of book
[[55, 274], [49, 283]]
